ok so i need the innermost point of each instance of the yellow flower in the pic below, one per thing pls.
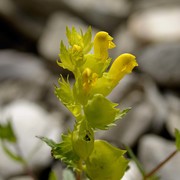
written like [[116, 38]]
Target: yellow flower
[[102, 42], [89, 79], [122, 65]]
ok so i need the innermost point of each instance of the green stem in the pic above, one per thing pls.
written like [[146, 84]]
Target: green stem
[[132, 155], [152, 172], [79, 172]]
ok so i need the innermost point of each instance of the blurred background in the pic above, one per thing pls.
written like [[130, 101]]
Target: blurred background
[[30, 34]]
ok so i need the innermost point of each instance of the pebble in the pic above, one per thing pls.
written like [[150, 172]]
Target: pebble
[[153, 150], [173, 115], [161, 62], [22, 75], [160, 24], [29, 120], [104, 14]]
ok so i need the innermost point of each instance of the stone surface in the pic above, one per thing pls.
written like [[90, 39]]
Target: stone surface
[[161, 62], [55, 31], [105, 14], [22, 75], [125, 41], [29, 120], [153, 150], [22, 178], [160, 24], [173, 116]]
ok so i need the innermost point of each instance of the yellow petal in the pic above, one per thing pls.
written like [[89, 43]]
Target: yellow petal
[[102, 42], [122, 65]]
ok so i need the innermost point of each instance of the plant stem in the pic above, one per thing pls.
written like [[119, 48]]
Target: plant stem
[[152, 172], [79, 172], [78, 176]]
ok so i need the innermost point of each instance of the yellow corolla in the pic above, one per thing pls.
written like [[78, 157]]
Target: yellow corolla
[[122, 65], [102, 42]]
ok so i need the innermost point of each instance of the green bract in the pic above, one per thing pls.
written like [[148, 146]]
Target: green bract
[[86, 100], [100, 112], [106, 162]]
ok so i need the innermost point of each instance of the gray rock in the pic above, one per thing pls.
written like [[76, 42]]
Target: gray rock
[[22, 75], [21, 178], [153, 150], [159, 24], [173, 115], [125, 41], [144, 4], [102, 14], [161, 62], [157, 101], [28, 25], [29, 120], [55, 31]]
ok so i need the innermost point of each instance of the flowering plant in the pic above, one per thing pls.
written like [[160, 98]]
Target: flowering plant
[[86, 100]]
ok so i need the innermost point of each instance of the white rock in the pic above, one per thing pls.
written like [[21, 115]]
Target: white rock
[[153, 150], [132, 173], [125, 41], [111, 7], [29, 120], [159, 24]]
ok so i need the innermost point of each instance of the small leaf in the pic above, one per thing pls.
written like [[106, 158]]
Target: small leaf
[[7, 132], [65, 94], [177, 136], [122, 113], [106, 162], [87, 40], [12, 155], [65, 58], [49, 142], [100, 112], [68, 175]]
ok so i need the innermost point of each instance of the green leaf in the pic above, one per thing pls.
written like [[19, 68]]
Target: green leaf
[[122, 113], [49, 142], [177, 136], [100, 112], [65, 94], [68, 175], [106, 162], [52, 176], [63, 150], [87, 41], [7, 132], [11, 154], [73, 36], [65, 58]]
